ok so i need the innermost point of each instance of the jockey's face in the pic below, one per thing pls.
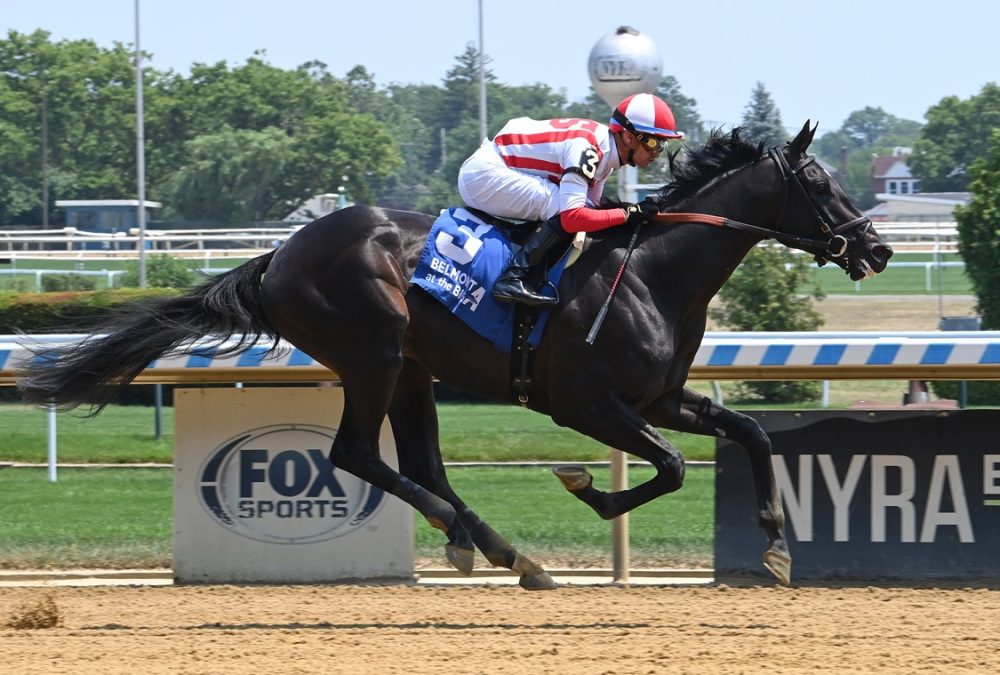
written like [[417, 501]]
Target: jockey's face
[[640, 153]]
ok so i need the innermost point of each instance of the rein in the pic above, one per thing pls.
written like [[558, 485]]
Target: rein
[[834, 246], [804, 243]]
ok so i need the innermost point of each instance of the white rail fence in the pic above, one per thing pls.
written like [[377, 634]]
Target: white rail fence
[[25, 250], [59, 242]]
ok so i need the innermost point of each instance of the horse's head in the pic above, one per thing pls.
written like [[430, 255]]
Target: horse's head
[[820, 215]]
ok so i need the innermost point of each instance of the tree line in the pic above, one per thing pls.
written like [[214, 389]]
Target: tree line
[[232, 144], [235, 144], [250, 142]]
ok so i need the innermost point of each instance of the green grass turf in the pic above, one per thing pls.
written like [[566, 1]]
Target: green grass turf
[[121, 517], [123, 434]]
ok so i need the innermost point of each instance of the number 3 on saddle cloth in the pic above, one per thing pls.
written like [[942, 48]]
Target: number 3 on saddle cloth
[[463, 256]]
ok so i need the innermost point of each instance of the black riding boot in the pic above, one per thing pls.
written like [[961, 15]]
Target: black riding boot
[[512, 285]]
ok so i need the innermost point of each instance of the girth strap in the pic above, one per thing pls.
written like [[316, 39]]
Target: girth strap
[[522, 354]]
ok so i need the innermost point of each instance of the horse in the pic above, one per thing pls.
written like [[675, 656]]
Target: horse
[[339, 289]]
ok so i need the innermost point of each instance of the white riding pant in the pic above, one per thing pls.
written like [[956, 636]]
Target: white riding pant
[[487, 184]]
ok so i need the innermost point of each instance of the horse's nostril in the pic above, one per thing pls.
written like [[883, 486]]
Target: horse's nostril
[[882, 252]]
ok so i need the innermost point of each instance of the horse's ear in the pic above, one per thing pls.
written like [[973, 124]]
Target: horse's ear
[[799, 144]]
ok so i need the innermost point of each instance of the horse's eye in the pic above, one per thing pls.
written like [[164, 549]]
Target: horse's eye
[[823, 187]]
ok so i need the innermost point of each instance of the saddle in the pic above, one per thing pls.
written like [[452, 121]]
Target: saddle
[[466, 251]]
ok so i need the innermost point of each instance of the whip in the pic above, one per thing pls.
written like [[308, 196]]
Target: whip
[[599, 320]]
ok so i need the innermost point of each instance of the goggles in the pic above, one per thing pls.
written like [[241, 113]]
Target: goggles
[[654, 144]]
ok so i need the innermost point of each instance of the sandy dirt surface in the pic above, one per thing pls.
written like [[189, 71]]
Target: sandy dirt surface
[[885, 312], [502, 629], [891, 312]]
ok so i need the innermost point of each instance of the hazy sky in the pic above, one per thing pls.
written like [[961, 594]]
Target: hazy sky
[[819, 59]]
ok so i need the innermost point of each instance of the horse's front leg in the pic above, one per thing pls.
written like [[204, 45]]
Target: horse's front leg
[[614, 423], [695, 413]]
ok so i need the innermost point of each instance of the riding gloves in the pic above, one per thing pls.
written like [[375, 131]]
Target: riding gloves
[[642, 212]]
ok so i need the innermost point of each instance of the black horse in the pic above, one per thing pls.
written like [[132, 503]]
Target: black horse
[[339, 289]]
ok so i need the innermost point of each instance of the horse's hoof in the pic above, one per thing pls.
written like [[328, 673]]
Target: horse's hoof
[[533, 577], [780, 565], [462, 559], [537, 582], [573, 477]]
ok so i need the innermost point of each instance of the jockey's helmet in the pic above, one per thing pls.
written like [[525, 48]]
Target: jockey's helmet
[[648, 117]]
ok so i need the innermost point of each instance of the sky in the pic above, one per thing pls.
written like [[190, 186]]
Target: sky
[[819, 59]]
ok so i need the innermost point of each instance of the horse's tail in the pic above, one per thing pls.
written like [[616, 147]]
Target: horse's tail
[[93, 371]]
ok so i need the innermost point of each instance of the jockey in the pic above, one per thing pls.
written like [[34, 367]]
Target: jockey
[[554, 171]]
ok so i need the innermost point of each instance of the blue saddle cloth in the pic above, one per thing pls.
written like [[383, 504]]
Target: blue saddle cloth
[[463, 257]]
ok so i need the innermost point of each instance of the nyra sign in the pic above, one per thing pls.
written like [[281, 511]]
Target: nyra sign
[[894, 494], [256, 499]]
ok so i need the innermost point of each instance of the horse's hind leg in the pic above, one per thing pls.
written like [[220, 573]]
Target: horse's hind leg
[[413, 416], [366, 353], [698, 414]]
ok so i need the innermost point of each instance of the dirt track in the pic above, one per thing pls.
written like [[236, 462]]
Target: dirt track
[[409, 629]]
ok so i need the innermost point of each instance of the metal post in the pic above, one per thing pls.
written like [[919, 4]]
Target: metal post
[[619, 526], [158, 411], [140, 155], [53, 450], [45, 153], [482, 77]]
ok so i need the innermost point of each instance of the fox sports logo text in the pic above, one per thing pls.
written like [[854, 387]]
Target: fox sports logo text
[[276, 484]]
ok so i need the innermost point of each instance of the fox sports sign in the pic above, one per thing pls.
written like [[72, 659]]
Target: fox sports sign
[[276, 484]]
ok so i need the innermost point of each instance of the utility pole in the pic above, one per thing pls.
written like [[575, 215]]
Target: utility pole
[[140, 155], [45, 154], [482, 77]]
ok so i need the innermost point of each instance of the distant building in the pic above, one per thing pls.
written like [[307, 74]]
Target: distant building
[[899, 196], [104, 216], [891, 175], [317, 206], [926, 206]]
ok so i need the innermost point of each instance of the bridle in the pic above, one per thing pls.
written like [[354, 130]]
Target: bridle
[[834, 245]]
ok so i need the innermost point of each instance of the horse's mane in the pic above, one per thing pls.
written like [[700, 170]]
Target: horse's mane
[[699, 165]]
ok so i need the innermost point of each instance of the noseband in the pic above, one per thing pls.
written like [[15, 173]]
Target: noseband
[[835, 243]]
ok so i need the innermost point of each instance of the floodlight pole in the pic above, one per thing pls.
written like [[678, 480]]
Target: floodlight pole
[[482, 77], [140, 155]]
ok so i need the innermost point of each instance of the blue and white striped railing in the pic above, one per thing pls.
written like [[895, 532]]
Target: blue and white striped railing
[[849, 355], [722, 356]]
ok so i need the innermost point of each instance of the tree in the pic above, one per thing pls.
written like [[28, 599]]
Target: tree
[[232, 176], [763, 295], [762, 119], [302, 138], [979, 243], [82, 98], [979, 232], [957, 133], [162, 271], [866, 132]]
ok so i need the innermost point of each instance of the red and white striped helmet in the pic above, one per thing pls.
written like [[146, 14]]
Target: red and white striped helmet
[[645, 114]]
